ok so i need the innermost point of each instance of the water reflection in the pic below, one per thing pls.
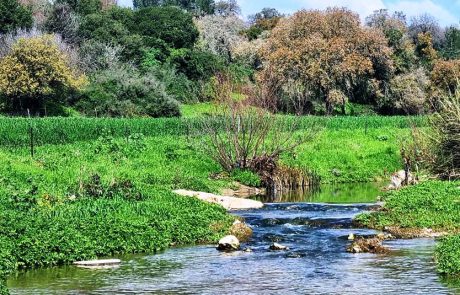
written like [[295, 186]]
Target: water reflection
[[330, 193]]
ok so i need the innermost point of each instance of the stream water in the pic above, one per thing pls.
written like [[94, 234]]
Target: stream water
[[314, 226]]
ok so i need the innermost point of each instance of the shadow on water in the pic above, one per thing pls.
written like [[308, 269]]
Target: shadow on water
[[314, 226]]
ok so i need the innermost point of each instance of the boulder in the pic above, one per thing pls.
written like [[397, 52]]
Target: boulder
[[229, 203], [278, 247], [228, 243], [241, 231], [351, 237], [373, 245], [398, 178]]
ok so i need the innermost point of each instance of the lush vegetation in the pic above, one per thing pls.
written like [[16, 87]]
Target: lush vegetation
[[431, 204], [102, 198]]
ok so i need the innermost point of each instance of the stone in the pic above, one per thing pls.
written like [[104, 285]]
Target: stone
[[351, 237], [278, 247], [241, 231], [98, 263], [398, 178], [228, 244], [373, 245], [229, 203]]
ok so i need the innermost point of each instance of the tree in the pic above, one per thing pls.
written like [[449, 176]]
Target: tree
[[14, 16], [265, 20], [227, 8], [198, 7], [451, 46], [124, 91], [170, 24], [265, 13], [426, 24], [82, 7], [36, 74], [445, 78], [220, 35], [63, 20], [321, 54], [407, 94], [395, 30]]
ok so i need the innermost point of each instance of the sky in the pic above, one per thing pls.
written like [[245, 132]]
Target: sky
[[446, 11]]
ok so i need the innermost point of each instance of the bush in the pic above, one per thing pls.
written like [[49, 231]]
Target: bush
[[448, 256], [124, 92], [407, 94], [37, 75], [14, 16]]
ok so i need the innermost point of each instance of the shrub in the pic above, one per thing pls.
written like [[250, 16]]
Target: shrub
[[407, 94], [125, 92], [14, 16], [448, 256], [37, 74]]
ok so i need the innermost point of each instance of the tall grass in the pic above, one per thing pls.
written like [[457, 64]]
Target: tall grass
[[15, 132]]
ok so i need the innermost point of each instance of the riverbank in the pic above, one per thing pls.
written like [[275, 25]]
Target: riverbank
[[429, 209]]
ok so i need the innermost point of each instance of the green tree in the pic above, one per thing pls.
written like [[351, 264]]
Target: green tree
[[82, 7], [170, 24], [451, 45], [14, 16]]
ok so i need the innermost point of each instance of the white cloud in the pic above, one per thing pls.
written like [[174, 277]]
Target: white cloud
[[413, 8]]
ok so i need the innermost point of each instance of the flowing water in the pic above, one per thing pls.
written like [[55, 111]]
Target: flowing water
[[314, 226]]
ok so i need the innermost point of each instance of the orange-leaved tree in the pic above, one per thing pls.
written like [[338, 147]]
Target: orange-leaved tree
[[326, 56]]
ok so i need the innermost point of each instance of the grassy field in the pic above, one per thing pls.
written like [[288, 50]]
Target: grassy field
[[432, 204], [92, 183]]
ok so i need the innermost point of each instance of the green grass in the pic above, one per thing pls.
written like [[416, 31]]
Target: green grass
[[199, 109], [431, 204], [354, 155], [15, 132], [130, 209]]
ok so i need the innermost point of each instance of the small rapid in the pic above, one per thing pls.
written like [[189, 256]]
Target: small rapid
[[316, 262]]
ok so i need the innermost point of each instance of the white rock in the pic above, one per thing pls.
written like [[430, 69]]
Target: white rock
[[278, 247], [229, 203], [98, 263], [228, 243], [351, 237]]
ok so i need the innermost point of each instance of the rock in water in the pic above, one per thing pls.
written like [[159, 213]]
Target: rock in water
[[228, 243], [351, 237], [278, 247], [373, 245], [241, 231]]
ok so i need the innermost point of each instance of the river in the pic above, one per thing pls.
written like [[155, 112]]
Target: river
[[315, 227]]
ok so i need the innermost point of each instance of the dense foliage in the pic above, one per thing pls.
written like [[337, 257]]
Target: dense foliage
[[431, 204], [14, 16], [35, 75], [332, 58]]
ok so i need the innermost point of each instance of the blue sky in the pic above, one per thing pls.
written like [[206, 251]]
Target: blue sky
[[446, 11]]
